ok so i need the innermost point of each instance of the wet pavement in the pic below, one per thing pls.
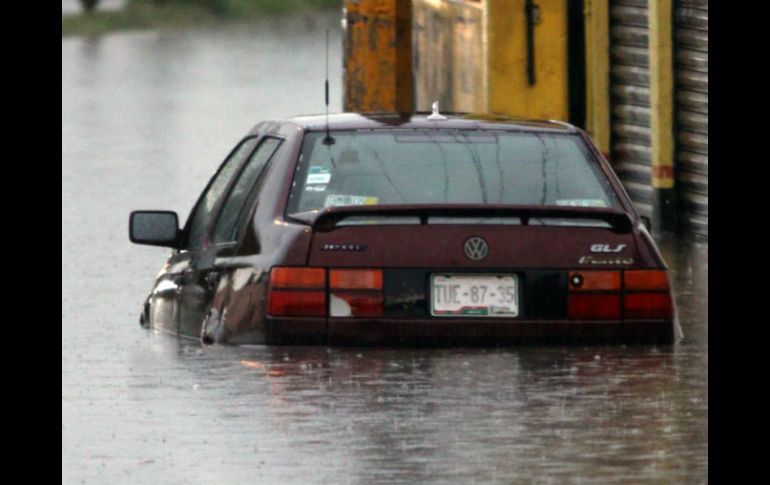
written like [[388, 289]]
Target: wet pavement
[[146, 118]]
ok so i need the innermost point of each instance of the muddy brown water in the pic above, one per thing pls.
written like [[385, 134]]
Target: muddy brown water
[[146, 118]]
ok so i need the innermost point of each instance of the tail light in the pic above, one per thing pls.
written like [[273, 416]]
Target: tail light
[[594, 295], [301, 292], [593, 307], [648, 305], [610, 295], [646, 279], [297, 292], [355, 293], [647, 294], [594, 280]]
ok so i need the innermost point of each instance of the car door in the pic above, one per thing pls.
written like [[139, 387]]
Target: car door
[[167, 307], [202, 277]]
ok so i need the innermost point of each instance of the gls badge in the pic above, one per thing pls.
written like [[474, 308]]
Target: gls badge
[[606, 248]]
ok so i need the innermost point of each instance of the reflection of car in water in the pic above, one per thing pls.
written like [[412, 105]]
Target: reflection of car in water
[[398, 229]]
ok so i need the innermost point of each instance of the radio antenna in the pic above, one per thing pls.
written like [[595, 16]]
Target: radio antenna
[[328, 140]]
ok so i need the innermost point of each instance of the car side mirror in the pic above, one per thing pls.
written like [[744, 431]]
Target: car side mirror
[[647, 223], [154, 228]]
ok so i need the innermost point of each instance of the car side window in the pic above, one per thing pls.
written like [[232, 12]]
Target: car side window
[[204, 211], [225, 229]]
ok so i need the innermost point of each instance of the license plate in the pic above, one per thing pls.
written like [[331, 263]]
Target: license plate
[[457, 295]]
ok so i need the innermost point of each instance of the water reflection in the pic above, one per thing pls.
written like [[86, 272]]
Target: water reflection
[[621, 414]]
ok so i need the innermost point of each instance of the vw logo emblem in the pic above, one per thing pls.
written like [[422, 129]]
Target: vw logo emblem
[[476, 248]]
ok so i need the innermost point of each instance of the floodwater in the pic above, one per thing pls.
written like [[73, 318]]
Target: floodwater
[[146, 118]]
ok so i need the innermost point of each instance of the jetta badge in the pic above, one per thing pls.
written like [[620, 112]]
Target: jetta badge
[[476, 248]]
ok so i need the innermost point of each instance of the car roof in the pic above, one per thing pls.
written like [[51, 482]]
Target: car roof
[[355, 121]]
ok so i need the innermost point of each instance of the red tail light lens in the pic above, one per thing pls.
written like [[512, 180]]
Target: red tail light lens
[[297, 303], [298, 278], [598, 306], [648, 305], [358, 279], [356, 293], [594, 280], [297, 292], [596, 295], [356, 304], [647, 294], [655, 279], [589, 298]]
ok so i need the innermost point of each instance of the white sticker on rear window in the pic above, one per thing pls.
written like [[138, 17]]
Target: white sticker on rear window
[[318, 174], [334, 200], [315, 188], [582, 202]]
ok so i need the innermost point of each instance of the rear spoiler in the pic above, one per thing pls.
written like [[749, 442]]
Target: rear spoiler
[[323, 220]]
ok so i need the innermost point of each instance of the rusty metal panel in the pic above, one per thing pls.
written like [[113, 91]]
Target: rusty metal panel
[[691, 109], [378, 56], [631, 151]]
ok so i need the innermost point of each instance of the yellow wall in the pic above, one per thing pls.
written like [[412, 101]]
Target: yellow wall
[[662, 94], [509, 91], [597, 39]]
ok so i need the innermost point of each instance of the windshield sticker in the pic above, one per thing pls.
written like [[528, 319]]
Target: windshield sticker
[[315, 188], [581, 202], [335, 200], [318, 175]]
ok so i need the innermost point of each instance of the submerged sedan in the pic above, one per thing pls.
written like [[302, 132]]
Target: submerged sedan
[[387, 229]]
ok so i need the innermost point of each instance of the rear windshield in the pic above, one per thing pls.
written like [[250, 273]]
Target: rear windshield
[[448, 167]]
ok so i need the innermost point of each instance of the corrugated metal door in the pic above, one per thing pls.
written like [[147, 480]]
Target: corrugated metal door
[[692, 87], [630, 100]]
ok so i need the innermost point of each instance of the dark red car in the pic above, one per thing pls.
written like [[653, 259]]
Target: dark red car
[[388, 229]]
